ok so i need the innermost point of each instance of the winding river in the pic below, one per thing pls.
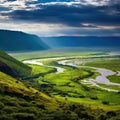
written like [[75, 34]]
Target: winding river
[[37, 62], [101, 79]]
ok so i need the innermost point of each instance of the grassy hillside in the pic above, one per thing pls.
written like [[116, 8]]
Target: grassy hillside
[[13, 86], [20, 69], [19, 101], [22, 102]]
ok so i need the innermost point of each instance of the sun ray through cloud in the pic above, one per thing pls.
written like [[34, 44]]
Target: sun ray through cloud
[[79, 15]]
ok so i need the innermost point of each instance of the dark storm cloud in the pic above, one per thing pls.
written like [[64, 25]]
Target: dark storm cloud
[[4, 9], [72, 15], [62, 17], [11, 0], [44, 1]]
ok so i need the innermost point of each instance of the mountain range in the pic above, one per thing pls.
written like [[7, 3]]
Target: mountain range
[[82, 41], [20, 41]]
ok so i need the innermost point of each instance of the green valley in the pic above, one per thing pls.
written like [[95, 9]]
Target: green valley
[[59, 87]]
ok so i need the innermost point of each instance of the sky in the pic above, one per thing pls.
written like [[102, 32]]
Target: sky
[[61, 17]]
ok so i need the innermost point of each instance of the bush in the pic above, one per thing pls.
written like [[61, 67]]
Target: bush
[[111, 114], [105, 102], [41, 106], [24, 104], [17, 81], [5, 117], [11, 103], [32, 110], [1, 105], [9, 109], [81, 96], [94, 97], [23, 116]]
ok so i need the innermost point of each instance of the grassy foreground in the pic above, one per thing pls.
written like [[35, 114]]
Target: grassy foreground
[[46, 95], [21, 102]]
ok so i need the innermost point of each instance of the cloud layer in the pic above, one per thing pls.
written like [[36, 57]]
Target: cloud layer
[[77, 14]]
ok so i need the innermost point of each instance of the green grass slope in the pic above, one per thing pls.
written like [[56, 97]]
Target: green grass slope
[[19, 101], [20, 69], [10, 85]]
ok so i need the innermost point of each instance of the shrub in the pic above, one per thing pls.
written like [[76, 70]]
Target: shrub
[[105, 102], [111, 113], [11, 103], [41, 106], [102, 117], [5, 117], [23, 116], [9, 109], [17, 81], [32, 110], [24, 104], [81, 96], [1, 105], [94, 97], [28, 86]]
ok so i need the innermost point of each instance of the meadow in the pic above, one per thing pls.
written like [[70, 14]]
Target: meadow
[[68, 86], [51, 86]]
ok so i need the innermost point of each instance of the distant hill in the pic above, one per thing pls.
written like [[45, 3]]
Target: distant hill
[[82, 41], [19, 41], [13, 67]]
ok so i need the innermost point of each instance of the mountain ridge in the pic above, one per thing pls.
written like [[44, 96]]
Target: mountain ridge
[[82, 41], [20, 41]]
